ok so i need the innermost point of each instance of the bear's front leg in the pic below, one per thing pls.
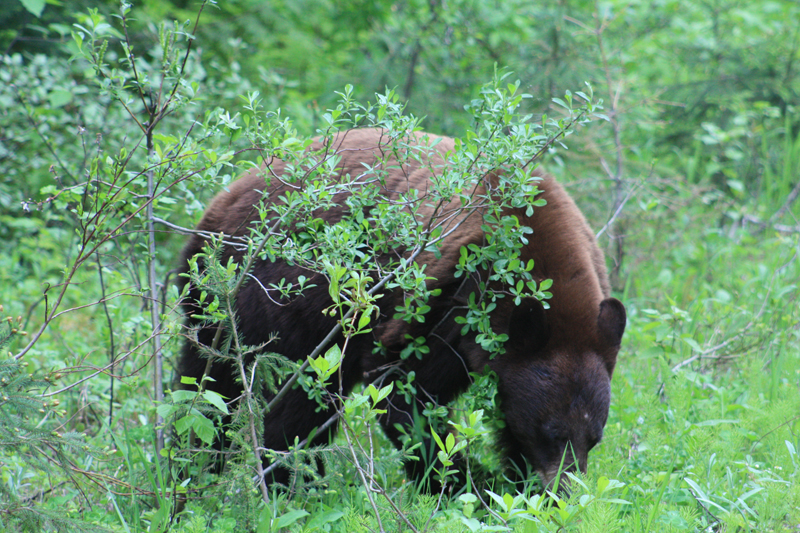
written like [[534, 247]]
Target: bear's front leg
[[440, 376]]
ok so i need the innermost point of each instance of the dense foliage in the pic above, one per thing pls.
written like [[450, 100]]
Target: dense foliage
[[119, 124]]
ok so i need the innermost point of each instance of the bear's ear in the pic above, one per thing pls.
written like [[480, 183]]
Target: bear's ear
[[611, 322], [528, 329]]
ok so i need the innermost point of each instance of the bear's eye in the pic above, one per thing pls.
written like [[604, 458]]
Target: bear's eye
[[555, 432], [558, 440]]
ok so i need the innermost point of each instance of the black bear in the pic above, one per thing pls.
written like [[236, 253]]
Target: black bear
[[554, 377]]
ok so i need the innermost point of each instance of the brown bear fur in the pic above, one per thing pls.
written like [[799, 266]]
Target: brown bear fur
[[553, 380]]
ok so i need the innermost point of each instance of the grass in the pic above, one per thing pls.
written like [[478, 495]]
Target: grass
[[703, 432], [706, 412], [704, 425], [702, 435]]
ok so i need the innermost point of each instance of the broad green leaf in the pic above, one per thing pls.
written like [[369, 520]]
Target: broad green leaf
[[363, 320], [165, 410], [450, 441], [289, 518], [693, 343], [183, 395], [34, 7], [508, 500], [204, 428], [265, 520], [59, 97], [216, 400], [468, 497], [184, 424], [471, 523], [385, 391], [498, 499], [319, 520]]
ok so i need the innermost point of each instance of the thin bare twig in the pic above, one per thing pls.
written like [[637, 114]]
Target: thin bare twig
[[786, 205], [367, 485], [771, 221], [100, 371], [155, 318], [487, 506], [373, 485], [705, 354], [773, 430], [86, 249], [611, 220], [111, 348]]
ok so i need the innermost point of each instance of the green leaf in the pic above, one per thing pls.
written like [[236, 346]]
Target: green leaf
[[468, 497], [385, 391], [204, 428], [183, 395], [363, 320], [471, 523], [289, 518], [319, 520], [165, 410], [356, 401], [264, 521], [216, 400], [182, 425], [561, 102], [437, 439], [508, 500], [34, 7], [334, 356], [693, 343], [159, 518], [59, 97], [498, 499]]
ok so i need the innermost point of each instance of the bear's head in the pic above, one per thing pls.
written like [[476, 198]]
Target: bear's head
[[556, 395]]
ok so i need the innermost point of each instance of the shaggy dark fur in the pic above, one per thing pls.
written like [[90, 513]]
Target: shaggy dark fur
[[554, 379]]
